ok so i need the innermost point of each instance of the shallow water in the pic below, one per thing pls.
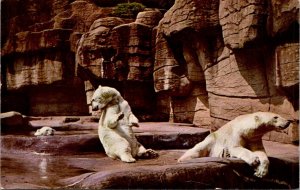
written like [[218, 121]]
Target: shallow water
[[40, 170]]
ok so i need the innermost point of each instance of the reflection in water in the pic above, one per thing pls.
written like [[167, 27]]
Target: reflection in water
[[43, 168]]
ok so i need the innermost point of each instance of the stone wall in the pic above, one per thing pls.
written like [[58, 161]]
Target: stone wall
[[38, 55], [119, 53], [68, 48], [242, 55]]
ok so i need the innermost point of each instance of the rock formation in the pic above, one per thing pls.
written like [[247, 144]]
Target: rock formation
[[237, 53], [119, 54], [203, 62], [39, 49], [38, 56]]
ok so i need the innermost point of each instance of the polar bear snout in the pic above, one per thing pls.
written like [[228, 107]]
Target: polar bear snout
[[94, 106], [286, 125], [281, 123]]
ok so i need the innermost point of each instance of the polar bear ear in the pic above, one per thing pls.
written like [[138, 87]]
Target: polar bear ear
[[257, 119], [99, 86]]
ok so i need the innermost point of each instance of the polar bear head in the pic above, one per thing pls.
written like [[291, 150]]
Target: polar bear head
[[271, 121], [103, 96]]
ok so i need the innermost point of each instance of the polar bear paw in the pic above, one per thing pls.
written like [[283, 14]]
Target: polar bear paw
[[262, 169], [261, 172], [127, 158], [133, 121], [151, 153]]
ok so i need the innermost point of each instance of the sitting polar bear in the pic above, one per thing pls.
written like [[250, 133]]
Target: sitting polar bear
[[240, 138], [44, 131], [115, 126]]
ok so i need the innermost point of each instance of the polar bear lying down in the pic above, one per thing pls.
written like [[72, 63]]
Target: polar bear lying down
[[44, 131], [115, 126], [240, 138]]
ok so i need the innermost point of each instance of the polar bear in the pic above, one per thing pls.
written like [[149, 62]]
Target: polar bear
[[240, 138], [115, 126], [44, 131]]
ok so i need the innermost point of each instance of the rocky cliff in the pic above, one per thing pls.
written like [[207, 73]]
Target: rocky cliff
[[202, 62], [42, 39], [38, 58], [220, 59]]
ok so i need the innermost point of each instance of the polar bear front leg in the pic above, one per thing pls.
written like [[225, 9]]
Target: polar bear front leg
[[113, 120], [133, 121], [244, 154], [112, 114], [262, 168]]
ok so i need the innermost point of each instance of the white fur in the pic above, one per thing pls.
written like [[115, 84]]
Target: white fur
[[232, 139], [44, 131], [115, 126]]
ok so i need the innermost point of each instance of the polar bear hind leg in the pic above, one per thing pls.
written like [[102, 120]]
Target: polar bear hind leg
[[126, 157], [199, 150], [124, 152], [116, 147], [146, 153]]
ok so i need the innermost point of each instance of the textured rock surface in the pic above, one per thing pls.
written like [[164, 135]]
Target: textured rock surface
[[41, 53], [287, 65], [38, 55], [116, 51], [36, 162], [242, 21], [95, 170], [243, 56]]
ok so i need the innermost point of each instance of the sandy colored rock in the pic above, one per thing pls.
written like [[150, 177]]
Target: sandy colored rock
[[242, 22], [284, 14], [237, 74], [227, 51], [287, 65], [150, 18]]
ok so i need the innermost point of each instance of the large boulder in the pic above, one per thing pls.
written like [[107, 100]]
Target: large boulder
[[13, 121]]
